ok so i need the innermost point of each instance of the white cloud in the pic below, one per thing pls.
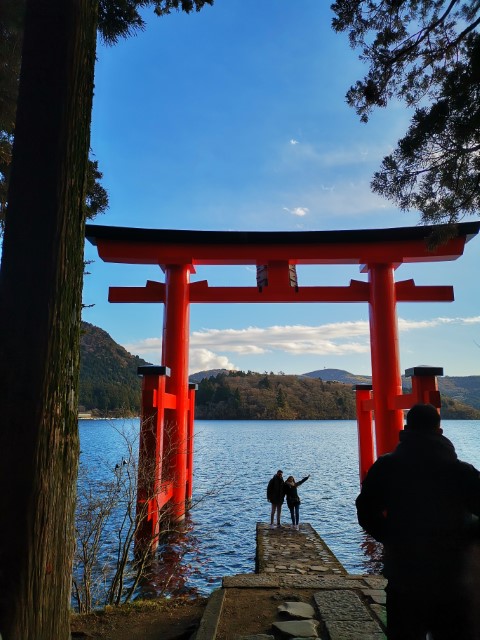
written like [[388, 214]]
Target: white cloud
[[204, 359], [295, 339], [209, 346], [297, 211], [149, 349], [409, 325], [201, 359]]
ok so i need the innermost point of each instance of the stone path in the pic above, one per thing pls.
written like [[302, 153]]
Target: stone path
[[286, 551], [347, 607]]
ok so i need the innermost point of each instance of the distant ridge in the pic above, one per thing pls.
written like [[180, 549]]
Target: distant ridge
[[464, 389], [339, 375], [200, 375]]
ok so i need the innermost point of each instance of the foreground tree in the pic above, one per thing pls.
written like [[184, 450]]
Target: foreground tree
[[427, 54], [40, 289], [40, 302]]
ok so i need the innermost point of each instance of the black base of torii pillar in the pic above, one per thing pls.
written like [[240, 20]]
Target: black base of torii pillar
[[163, 474]]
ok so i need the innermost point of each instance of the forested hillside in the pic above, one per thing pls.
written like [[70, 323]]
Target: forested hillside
[[236, 395], [108, 374], [464, 389], [255, 396]]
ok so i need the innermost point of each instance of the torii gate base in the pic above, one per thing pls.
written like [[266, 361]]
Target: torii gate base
[[165, 464]]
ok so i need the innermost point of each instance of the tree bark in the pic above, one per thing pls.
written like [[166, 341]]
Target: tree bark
[[40, 305]]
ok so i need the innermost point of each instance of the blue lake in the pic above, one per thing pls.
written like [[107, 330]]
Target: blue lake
[[234, 461]]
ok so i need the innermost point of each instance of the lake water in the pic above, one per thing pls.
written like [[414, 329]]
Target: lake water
[[234, 460]]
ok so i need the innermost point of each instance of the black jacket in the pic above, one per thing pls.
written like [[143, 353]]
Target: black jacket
[[291, 492], [418, 501], [275, 490]]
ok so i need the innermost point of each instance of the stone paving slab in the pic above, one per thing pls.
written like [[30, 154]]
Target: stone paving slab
[[251, 581], [297, 610], [353, 631], [297, 628], [320, 582], [375, 582], [207, 629], [376, 595], [346, 616], [341, 605]]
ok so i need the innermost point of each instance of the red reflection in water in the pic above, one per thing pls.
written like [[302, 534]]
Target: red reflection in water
[[172, 567], [373, 552]]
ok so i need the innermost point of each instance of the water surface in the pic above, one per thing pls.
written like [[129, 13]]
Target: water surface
[[234, 461]]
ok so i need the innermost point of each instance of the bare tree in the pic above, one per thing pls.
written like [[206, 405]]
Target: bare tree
[[109, 567]]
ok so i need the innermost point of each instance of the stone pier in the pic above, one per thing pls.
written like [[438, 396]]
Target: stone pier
[[289, 553], [296, 570]]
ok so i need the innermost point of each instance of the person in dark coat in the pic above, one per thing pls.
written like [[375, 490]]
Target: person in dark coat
[[275, 495], [420, 501], [293, 499]]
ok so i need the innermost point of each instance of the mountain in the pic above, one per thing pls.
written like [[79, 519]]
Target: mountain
[[200, 375], [338, 375], [462, 389], [109, 382]]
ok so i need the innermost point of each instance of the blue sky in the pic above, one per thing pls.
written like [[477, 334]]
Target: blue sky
[[235, 119]]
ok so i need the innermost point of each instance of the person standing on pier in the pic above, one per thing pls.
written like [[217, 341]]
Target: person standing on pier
[[420, 502], [293, 499], [275, 495]]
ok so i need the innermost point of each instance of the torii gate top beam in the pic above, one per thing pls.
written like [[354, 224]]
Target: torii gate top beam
[[363, 246]]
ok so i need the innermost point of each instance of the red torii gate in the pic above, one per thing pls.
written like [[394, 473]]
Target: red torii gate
[[378, 252]]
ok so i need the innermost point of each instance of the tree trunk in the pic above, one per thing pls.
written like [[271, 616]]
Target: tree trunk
[[40, 298]]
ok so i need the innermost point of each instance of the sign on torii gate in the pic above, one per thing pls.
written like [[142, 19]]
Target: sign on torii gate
[[378, 252]]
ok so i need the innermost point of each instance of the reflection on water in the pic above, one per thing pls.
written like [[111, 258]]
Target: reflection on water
[[233, 462], [171, 571], [373, 552]]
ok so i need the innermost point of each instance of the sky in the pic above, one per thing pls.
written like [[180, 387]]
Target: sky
[[234, 118]]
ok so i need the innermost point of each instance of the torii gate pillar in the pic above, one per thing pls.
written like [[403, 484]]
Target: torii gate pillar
[[386, 377], [175, 345]]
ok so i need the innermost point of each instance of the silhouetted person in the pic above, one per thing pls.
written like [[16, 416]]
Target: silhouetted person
[[419, 502], [275, 495]]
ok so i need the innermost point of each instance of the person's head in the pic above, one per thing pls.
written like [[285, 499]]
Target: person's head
[[423, 417], [280, 473], [291, 479]]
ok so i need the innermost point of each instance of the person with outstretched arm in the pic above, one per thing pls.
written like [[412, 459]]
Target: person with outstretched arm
[[293, 499]]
